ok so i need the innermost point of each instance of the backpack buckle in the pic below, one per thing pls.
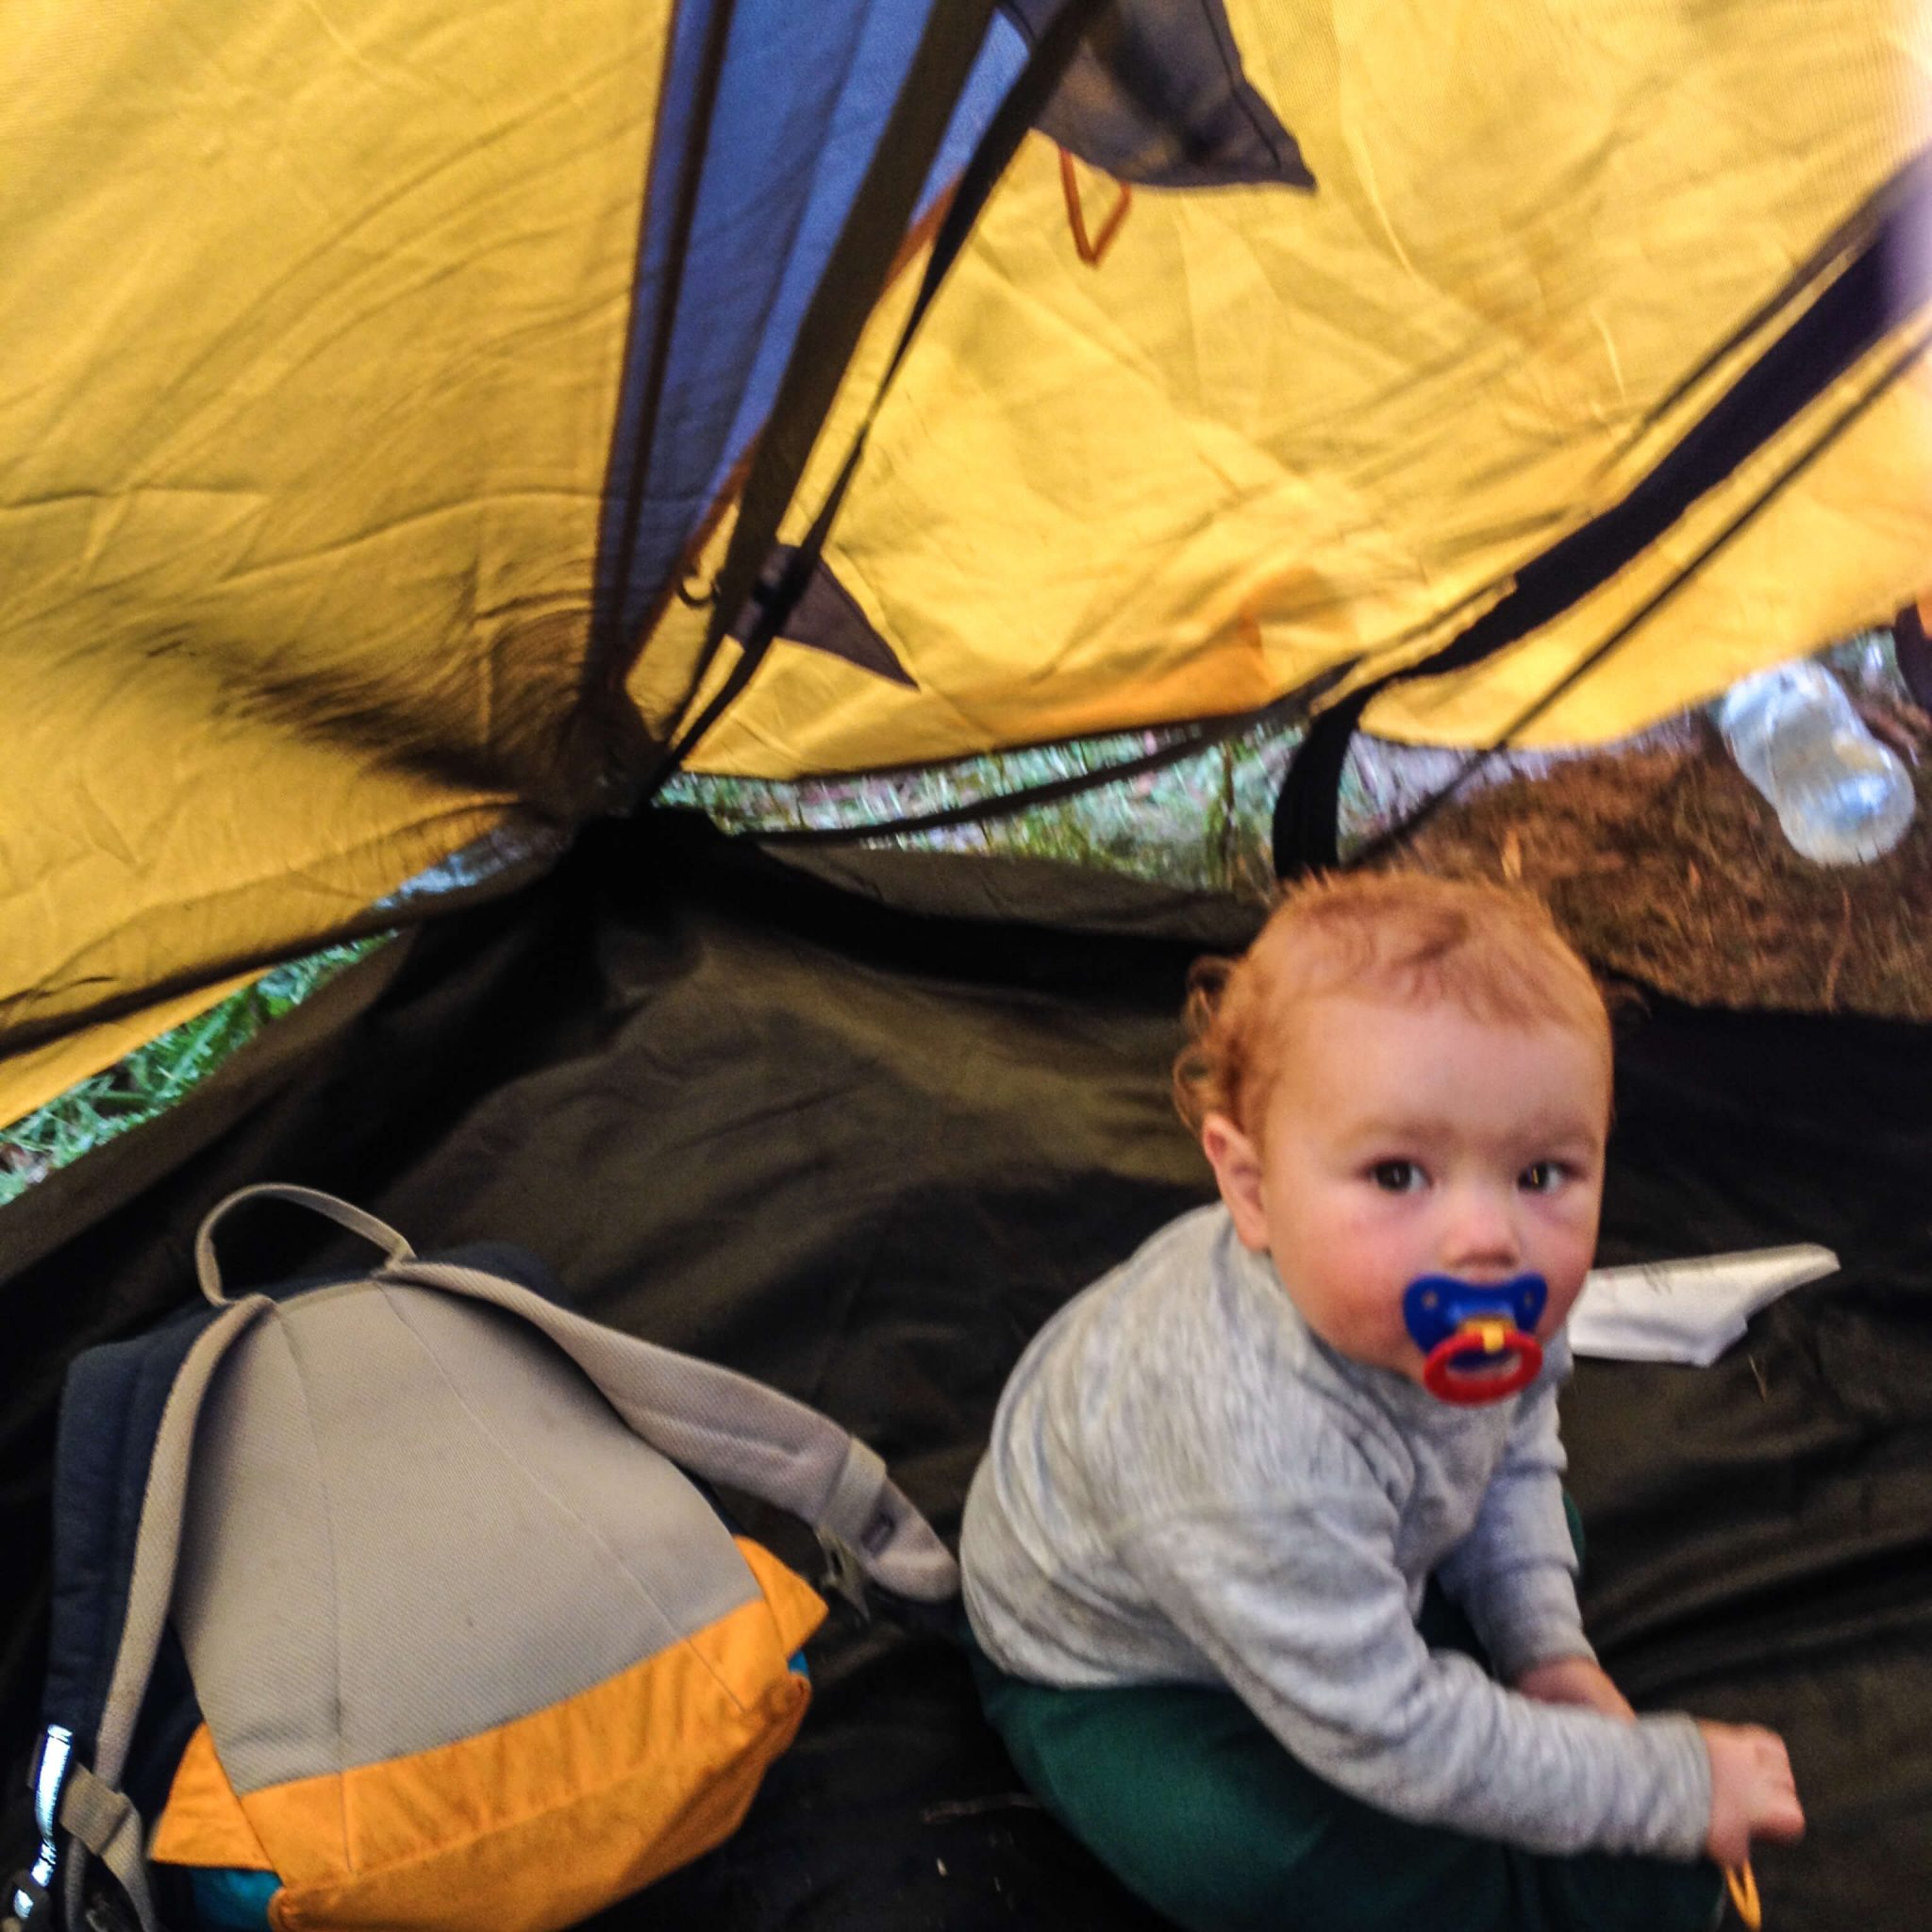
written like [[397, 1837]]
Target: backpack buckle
[[843, 1576], [29, 1895], [46, 1775]]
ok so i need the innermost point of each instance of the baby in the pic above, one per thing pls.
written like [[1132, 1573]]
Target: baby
[[1276, 1604]]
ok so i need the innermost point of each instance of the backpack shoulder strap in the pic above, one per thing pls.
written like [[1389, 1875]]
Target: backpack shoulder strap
[[723, 1427], [81, 1803], [730, 1428]]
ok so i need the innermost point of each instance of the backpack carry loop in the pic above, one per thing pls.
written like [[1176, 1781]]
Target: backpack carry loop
[[207, 1271]]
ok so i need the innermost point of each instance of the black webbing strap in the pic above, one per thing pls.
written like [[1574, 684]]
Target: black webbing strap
[[838, 313], [604, 660], [1914, 654], [1308, 799], [1186, 742], [1886, 278]]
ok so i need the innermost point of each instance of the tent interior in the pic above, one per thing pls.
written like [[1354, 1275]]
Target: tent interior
[[450, 442]]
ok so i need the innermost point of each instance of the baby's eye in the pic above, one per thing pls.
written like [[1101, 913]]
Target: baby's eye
[[1397, 1176], [1543, 1177]]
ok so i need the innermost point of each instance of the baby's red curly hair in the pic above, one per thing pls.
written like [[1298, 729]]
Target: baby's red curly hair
[[1399, 937]]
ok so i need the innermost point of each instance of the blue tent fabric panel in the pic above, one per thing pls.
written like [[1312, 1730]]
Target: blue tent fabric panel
[[801, 96], [1000, 60]]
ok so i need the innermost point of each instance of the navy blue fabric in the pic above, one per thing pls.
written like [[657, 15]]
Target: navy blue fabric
[[170, 1715], [110, 1413], [1003, 57], [802, 97]]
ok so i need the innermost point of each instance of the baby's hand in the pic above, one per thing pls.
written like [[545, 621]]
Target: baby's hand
[[1753, 1793], [1575, 1680]]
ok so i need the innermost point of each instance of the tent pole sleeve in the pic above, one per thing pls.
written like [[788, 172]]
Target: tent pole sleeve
[[1870, 292], [808, 390], [835, 319], [605, 659]]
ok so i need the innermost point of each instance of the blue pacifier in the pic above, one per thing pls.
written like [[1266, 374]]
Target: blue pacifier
[[1476, 1340]]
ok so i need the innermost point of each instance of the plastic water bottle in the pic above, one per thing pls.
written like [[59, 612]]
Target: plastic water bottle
[[1841, 797]]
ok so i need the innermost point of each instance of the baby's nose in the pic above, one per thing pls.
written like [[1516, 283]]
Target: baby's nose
[[1482, 1238]]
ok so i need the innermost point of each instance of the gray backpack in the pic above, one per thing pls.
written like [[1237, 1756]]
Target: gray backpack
[[390, 1602]]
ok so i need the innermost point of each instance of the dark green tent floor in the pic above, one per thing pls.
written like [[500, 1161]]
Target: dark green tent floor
[[860, 1128]]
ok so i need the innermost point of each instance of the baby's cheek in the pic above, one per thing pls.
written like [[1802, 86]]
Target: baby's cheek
[[1381, 1332], [1564, 1272], [1367, 1334], [1359, 1266]]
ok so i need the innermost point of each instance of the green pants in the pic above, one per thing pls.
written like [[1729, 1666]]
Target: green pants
[[1193, 1804]]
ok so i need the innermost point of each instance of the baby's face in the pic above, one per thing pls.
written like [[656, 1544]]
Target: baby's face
[[1402, 1141]]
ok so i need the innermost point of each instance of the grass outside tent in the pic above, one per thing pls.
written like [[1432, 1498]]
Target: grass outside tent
[[151, 1078], [1657, 856]]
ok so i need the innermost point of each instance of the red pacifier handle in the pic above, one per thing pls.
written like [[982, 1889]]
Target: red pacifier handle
[[1481, 1337]]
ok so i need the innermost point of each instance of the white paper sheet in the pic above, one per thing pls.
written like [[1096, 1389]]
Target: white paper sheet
[[1687, 1310]]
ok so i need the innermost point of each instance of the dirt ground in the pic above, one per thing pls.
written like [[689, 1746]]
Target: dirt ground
[[1665, 864]]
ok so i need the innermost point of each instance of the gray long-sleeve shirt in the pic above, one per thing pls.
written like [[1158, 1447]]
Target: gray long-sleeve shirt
[[1185, 1484]]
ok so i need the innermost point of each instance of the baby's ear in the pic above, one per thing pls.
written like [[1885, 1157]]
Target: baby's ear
[[1237, 1164]]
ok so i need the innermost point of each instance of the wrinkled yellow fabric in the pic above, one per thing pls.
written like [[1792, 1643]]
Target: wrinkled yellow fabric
[[32, 1078], [314, 321], [1273, 433]]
